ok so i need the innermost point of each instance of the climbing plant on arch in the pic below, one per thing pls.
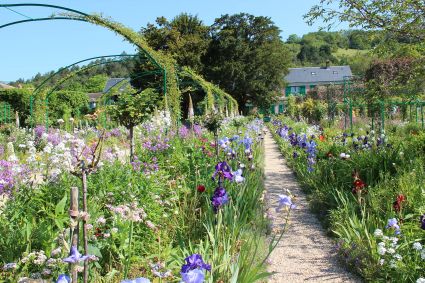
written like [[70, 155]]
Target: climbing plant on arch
[[166, 64]]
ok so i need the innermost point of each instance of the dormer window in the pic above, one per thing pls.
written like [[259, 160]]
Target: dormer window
[[335, 72], [313, 73]]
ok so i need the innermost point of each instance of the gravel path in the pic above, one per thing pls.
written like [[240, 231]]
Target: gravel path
[[304, 253]]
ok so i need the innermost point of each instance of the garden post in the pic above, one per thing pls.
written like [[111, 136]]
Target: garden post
[[74, 231], [84, 181]]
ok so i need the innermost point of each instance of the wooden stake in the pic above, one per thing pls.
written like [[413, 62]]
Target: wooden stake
[[73, 213], [84, 180]]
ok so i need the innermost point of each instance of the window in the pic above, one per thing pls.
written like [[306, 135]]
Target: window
[[313, 73], [335, 72], [295, 89]]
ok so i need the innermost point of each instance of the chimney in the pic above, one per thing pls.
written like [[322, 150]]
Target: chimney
[[328, 63]]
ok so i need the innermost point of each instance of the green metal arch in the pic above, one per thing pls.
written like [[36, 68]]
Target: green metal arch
[[76, 63]]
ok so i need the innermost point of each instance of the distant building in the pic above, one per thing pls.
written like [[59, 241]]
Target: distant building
[[112, 82], [301, 80]]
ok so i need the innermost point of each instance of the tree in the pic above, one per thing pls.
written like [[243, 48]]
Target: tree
[[185, 38], [293, 38], [400, 17], [133, 107], [247, 58]]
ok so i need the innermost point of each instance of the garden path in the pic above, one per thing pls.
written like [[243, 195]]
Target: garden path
[[304, 253]]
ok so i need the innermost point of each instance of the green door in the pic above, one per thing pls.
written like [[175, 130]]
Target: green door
[[302, 90], [281, 108]]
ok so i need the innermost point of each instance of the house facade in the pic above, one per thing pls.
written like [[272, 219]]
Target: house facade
[[301, 80], [94, 98]]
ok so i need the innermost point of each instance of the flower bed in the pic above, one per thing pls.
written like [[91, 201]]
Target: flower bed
[[176, 212], [368, 189]]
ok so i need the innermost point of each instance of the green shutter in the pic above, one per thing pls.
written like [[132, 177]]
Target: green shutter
[[312, 86], [272, 109], [302, 89], [287, 91], [280, 108]]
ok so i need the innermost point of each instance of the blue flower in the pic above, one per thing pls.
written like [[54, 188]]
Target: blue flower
[[219, 198], [223, 169], [285, 201], [195, 261], [63, 278], [193, 276], [137, 280], [75, 256], [237, 176], [392, 224]]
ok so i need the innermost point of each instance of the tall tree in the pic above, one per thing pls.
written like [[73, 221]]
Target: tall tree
[[400, 17], [185, 38], [247, 58]]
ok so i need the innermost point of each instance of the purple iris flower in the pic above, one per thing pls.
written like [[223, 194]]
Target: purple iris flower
[[75, 256], [63, 278], [247, 142], [219, 198], [237, 176], [193, 276], [137, 280], [285, 201], [392, 224], [195, 261], [223, 169], [234, 138], [295, 154], [423, 222]]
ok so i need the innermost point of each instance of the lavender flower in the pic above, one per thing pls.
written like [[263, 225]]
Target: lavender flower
[[75, 256], [137, 280], [195, 261], [392, 224], [285, 201], [237, 176], [193, 276], [197, 130], [63, 278], [422, 222], [183, 132], [194, 269], [219, 198]]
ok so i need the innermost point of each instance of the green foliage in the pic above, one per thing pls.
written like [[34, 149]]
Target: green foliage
[[68, 103], [404, 18], [247, 58], [185, 38], [19, 100], [133, 107]]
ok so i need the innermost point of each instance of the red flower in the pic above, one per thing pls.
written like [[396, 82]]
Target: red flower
[[329, 154], [358, 186], [397, 204], [201, 188], [321, 137]]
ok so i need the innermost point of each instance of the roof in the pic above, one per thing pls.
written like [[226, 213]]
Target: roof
[[5, 86], [314, 75], [113, 82], [93, 97]]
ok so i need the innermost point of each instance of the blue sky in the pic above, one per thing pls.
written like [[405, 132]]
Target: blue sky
[[29, 48]]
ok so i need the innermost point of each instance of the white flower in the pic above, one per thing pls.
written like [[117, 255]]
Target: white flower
[[71, 119], [378, 233], [382, 250], [417, 246], [101, 220], [60, 121], [420, 280], [423, 254], [398, 257], [106, 235], [391, 251], [393, 264], [381, 261], [114, 230]]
